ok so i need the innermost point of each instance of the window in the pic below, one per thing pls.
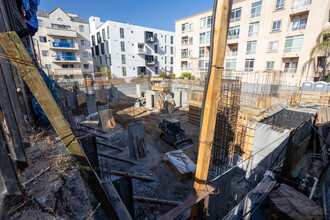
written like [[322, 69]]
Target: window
[[273, 46], [67, 66], [184, 53], [122, 46], [234, 51], [97, 50], [122, 34], [123, 59], [270, 65], [98, 37], [279, 4], [276, 26], [85, 54], [86, 66], [45, 53], [256, 9], [40, 23], [172, 60], [201, 65], [251, 47], [60, 19], [201, 51], [184, 41], [191, 27], [233, 32], [184, 27], [230, 65], [235, 14], [165, 39], [202, 38], [209, 21], [301, 3], [93, 40], [124, 70], [60, 26], [165, 49], [156, 70], [249, 64], [156, 49], [299, 24], [190, 40], [108, 32], [253, 29], [42, 39], [208, 35], [165, 60], [103, 35], [48, 66], [290, 67], [81, 28], [102, 48], [92, 49], [172, 50], [202, 24], [190, 53], [83, 42], [172, 40], [294, 43]]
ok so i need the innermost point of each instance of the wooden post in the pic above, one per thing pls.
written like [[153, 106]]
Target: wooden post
[[15, 48], [221, 14]]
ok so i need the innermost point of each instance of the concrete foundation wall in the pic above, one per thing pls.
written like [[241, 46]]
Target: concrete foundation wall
[[150, 99]]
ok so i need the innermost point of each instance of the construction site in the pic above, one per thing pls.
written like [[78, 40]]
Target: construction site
[[238, 145]]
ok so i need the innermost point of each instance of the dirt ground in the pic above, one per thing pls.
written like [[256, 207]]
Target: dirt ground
[[167, 185]]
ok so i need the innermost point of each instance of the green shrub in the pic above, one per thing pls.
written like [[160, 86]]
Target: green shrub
[[171, 76], [162, 75]]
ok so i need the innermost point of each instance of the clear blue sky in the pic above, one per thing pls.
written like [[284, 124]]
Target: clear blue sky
[[159, 14]]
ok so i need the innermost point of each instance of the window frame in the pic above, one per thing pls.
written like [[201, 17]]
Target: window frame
[[267, 67], [251, 52], [269, 48], [277, 29], [257, 9], [251, 27]]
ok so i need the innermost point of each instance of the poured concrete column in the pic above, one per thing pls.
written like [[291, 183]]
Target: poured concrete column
[[135, 135], [138, 90]]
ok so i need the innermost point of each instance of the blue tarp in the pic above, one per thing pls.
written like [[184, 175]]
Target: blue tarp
[[31, 8]]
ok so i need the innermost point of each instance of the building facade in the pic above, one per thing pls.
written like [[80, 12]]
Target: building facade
[[63, 46], [267, 35], [129, 50]]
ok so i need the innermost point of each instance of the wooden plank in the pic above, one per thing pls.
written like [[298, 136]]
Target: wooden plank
[[109, 145], [155, 201], [144, 178], [14, 48], [173, 213], [211, 97], [117, 158]]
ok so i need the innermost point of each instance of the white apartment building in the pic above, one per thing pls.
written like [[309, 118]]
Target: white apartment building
[[130, 50], [63, 46], [267, 35]]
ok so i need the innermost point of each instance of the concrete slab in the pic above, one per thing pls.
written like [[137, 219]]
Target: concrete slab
[[150, 99], [177, 98], [185, 99], [106, 119], [91, 105], [135, 134]]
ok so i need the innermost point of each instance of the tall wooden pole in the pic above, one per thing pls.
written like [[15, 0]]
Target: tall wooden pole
[[221, 14]]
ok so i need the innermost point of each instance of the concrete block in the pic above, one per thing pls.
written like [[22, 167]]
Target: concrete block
[[114, 94], [150, 99], [101, 96], [102, 107], [177, 98], [138, 90], [70, 99], [185, 99], [135, 134], [91, 105], [80, 99], [106, 119]]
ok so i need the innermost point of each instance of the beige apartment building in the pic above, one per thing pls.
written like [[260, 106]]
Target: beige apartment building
[[63, 46], [263, 35]]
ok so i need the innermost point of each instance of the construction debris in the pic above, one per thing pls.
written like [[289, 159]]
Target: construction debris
[[181, 164]]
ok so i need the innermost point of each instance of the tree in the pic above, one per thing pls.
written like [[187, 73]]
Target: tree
[[322, 48], [162, 75]]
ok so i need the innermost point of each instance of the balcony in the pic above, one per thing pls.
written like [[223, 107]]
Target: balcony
[[66, 59], [300, 7], [141, 49], [150, 62], [65, 72], [61, 32], [150, 37], [63, 46]]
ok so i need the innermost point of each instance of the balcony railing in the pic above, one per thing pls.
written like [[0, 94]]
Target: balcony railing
[[63, 44], [235, 19], [141, 51], [68, 71], [184, 56], [65, 57], [233, 37], [302, 3]]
